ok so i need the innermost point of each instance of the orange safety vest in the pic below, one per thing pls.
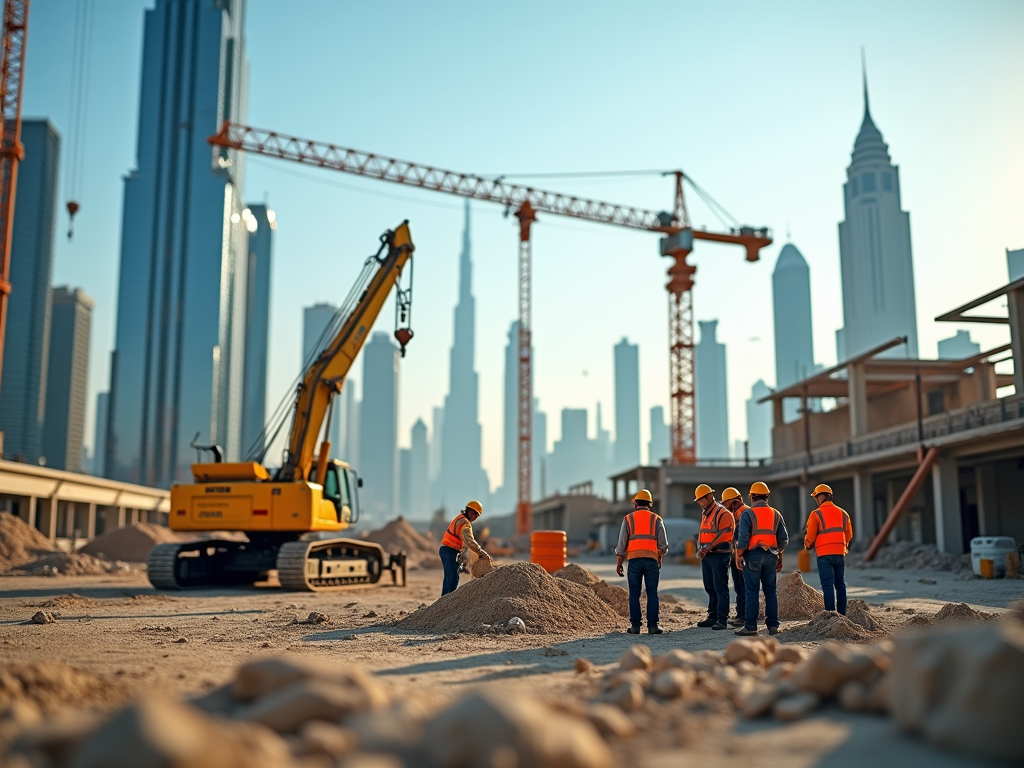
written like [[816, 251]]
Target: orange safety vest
[[718, 523], [642, 527], [453, 535], [831, 536], [763, 533]]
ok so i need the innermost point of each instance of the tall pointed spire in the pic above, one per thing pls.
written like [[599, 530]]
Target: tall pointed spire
[[465, 261], [864, 77]]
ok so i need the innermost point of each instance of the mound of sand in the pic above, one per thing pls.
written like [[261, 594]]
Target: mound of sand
[[950, 613], [859, 625], [616, 597], [130, 544], [905, 555], [65, 564], [52, 685], [19, 542], [66, 601], [399, 536], [798, 600], [546, 604]]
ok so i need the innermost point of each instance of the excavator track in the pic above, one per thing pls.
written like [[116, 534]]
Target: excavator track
[[334, 564], [209, 563]]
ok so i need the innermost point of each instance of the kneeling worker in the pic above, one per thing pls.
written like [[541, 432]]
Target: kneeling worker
[[459, 534], [829, 531], [760, 540], [733, 501], [643, 542], [715, 539]]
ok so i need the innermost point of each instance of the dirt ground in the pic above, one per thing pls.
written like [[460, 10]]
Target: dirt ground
[[135, 640]]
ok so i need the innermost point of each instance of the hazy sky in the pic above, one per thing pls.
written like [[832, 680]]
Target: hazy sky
[[759, 102]]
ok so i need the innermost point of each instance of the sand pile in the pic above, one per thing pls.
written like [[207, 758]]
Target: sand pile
[[65, 564], [616, 597], [950, 613], [905, 555], [399, 536], [130, 544], [859, 625], [20, 543], [52, 685], [525, 590], [66, 601], [798, 600]]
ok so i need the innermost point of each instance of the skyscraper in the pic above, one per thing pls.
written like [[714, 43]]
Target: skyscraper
[[627, 405], [462, 475], [378, 429], [571, 459], [874, 250], [67, 378], [178, 363], [260, 222], [1015, 263], [419, 485], [958, 347], [712, 405], [794, 339], [659, 447], [315, 320], [506, 497], [99, 440], [759, 422], [27, 340]]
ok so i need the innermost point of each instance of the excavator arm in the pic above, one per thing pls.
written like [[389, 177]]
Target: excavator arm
[[325, 377]]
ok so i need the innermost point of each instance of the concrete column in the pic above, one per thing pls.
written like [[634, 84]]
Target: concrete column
[[121, 517], [863, 512], [90, 527], [1015, 304], [858, 399], [805, 499], [31, 509], [891, 497], [985, 488], [51, 505], [946, 490]]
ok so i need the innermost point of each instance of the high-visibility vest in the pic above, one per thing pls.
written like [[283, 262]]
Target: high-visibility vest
[[739, 513], [831, 536], [717, 522], [763, 533], [642, 527], [453, 535]]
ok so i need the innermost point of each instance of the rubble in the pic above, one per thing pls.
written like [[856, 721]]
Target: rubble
[[906, 555]]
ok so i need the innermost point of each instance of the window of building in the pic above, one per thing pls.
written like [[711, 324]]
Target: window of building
[[887, 182], [936, 402], [868, 181], [853, 187]]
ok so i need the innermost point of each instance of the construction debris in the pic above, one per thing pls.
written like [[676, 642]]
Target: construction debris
[[906, 555]]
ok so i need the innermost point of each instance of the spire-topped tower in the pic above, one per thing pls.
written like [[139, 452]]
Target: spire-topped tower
[[874, 248]]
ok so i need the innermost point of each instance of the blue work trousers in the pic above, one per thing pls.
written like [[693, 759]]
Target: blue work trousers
[[739, 584], [832, 573], [715, 569], [450, 561], [759, 573], [643, 570]]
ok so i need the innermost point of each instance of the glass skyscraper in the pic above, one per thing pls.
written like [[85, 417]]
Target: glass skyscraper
[[178, 364], [260, 222]]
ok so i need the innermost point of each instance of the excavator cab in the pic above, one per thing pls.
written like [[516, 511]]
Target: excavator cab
[[340, 485]]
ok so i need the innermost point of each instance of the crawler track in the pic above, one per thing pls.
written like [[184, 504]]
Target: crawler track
[[332, 565]]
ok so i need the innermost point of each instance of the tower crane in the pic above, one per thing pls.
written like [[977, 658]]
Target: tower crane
[[526, 203]]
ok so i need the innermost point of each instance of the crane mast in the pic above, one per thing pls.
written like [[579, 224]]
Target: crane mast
[[526, 202]]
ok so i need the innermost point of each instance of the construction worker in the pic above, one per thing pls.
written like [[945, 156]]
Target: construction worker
[[761, 538], [829, 532], [459, 535], [643, 542], [715, 551], [732, 499]]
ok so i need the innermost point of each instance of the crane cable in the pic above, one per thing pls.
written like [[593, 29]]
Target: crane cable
[[80, 58]]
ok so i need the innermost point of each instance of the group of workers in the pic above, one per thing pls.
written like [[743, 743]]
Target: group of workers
[[746, 541]]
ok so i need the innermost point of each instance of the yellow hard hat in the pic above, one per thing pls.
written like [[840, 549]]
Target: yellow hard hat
[[730, 493], [476, 506], [759, 489], [702, 490], [822, 488], [643, 495]]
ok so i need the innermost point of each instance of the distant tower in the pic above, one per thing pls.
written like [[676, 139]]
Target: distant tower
[[315, 321], [794, 339], [759, 422], [378, 429], [99, 440], [67, 378], [419, 485], [627, 406], [712, 394], [958, 347], [658, 448], [1015, 263], [874, 250], [261, 222]]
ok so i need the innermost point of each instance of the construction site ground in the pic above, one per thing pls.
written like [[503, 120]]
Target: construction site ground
[[139, 641]]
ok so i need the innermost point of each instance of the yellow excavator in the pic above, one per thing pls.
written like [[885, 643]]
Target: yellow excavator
[[288, 517]]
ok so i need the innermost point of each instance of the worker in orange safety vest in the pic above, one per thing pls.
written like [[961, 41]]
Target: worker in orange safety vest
[[643, 543], [732, 500], [829, 532], [715, 551], [457, 535], [761, 538]]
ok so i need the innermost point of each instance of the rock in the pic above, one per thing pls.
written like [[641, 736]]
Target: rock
[[583, 666], [748, 668], [709, 660], [489, 729], [832, 665], [16, 718], [397, 729], [550, 651], [781, 671], [961, 688], [676, 658], [219, 701], [752, 649], [610, 720], [372, 761], [315, 617], [757, 699], [728, 675], [637, 657], [259, 678], [881, 695], [637, 676], [290, 707], [56, 740], [796, 706], [42, 617], [163, 734], [673, 683], [793, 654], [317, 738], [628, 696], [853, 696]]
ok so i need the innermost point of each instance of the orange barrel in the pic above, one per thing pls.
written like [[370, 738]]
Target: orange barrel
[[547, 549], [988, 568], [691, 548], [803, 560]]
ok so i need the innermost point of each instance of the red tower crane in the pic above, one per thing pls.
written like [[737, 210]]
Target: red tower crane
[[526, 203], [12, 67]]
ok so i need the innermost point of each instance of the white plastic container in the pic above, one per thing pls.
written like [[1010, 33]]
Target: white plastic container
[[994, 548]]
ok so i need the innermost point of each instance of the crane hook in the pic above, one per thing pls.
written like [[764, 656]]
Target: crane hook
[[73, 207]]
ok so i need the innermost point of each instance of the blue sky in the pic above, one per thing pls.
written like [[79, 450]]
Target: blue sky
[[759, 102]]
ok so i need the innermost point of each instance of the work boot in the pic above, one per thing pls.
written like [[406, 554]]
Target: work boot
[[634, 630], [773, 630], [718, 625], [655, 630], [708, 622], [737, 622], [744, 632]]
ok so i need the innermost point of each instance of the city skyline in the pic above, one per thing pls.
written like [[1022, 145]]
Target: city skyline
[[815, 157]]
